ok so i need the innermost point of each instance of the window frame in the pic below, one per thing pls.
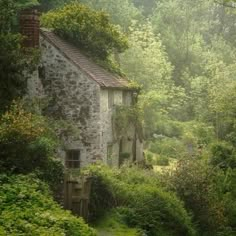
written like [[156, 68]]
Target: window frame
[[73, 159]]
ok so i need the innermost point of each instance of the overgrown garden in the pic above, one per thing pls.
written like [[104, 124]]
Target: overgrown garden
[[182, 54]]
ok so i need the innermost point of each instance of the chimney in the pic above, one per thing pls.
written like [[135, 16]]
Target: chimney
[[29, 27]]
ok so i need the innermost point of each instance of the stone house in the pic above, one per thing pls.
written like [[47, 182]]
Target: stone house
[[82, 92]]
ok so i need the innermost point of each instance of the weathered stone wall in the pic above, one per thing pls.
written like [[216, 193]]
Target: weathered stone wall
[[73, 96], [108, 134]]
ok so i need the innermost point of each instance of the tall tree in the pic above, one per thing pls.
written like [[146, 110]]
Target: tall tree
[[122, 12], [13, 61]]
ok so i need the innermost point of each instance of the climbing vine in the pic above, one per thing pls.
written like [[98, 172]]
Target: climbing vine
[[125, 117]]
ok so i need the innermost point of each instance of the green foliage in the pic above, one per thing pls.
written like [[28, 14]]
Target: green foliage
[[46, 5], [146, 7], [223, 155], [144, 204], [22, 4], [230, 197], [124, 156], [87, 29], [113, 223], [169, 147], [15, 62], [125, 117], [27, 208], [162, 161], [121, 12], [146, 53], [27, 144], [149, 158], [9, 10], [202, 189]]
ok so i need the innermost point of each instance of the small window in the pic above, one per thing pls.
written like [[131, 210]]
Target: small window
[[110, 99], [73, 159]]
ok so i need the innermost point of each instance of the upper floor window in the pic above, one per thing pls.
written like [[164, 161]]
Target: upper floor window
[[73, 159], [110, 98]]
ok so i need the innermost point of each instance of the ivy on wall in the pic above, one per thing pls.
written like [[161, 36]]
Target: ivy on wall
[[125, 117]]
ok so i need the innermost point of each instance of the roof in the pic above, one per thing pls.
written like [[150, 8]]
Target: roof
[[104, 78]]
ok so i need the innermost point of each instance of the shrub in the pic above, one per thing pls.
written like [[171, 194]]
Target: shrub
[[223, 155], [170, 147], [147, 205], [113, 223], [28, 145], [168, 127], [149, 158], [201, 187], [27, 208]]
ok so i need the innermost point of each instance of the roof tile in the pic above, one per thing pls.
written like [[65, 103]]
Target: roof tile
[[104, 78]]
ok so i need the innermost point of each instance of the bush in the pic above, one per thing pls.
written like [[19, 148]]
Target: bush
[[113, 223], [27, 208], [148, 206], [200, 133], [230, 197], [170, 147], [201, 187], [223, 155], [149, 158], [168, 127], [28, 145]]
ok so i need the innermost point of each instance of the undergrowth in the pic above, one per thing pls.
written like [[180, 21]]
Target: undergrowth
[[140, 200]]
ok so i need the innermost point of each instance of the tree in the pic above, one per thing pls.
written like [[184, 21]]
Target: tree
[[145, 6], [146, 63], [88, 29], [145, 55], [14, 62], [121, 12]]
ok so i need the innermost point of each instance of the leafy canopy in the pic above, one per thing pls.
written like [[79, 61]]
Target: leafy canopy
[[88, 29], [121, 12], [14, 62]]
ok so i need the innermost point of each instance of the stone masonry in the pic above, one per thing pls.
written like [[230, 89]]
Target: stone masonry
[[77, 90]]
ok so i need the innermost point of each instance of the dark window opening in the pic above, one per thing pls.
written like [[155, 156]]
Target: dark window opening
[[73, 159], [42, 72]]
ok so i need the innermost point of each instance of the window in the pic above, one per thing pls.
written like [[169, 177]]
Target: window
[[110, 99], [73, 159]]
